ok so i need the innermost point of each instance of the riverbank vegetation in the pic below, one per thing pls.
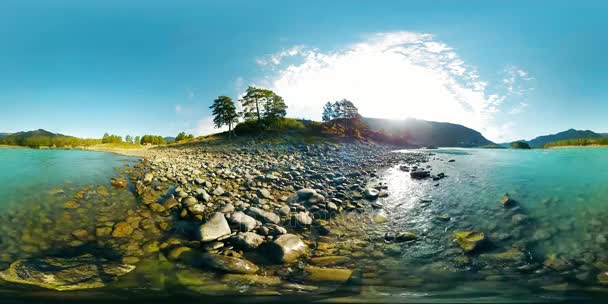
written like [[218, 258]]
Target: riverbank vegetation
[[520, 145], [580, 142]]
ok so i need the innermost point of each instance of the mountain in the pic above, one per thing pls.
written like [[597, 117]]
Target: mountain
[[540, 141], [429, 133], [169, 139], [36, 133], [3, 135]]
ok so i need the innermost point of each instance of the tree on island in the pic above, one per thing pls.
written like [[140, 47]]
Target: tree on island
[[345, 114], [182, 136], [224, 113], [264, 105], [520, 145]]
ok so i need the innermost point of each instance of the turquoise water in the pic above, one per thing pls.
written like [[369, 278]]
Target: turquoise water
[[24, 172]]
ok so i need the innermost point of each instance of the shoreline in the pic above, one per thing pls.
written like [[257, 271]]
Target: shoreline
[[579, 147], [138, 152]]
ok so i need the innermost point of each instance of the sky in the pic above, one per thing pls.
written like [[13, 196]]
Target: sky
[[509, 69]]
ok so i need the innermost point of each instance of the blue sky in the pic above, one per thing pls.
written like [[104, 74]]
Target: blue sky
[[511, 69]]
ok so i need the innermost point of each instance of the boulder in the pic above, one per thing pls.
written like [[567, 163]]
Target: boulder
[[333, 275], [247, 240], [264, 216], [242, 221], [420, 174], [214, 228], [287, 249], [228, 264], [469, 240], [371, 193], [83, 272]]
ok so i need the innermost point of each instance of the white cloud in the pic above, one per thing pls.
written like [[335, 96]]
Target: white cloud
[[390, 75], [205, 126], [178, 109]]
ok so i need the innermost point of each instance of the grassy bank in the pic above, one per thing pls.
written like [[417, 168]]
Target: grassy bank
[[581, 142]]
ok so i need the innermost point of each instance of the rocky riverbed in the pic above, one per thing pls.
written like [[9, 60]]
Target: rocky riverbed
[[286, 219]]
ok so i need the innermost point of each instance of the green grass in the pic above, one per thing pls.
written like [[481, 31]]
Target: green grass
[[580, 142]]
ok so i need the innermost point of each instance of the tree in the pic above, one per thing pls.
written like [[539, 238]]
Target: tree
[[137, 139], [129, 139], [153, 140], [328, 112], [110, 139], [263, 104], [224, 113], [181, 136]]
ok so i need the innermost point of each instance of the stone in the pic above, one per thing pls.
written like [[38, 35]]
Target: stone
[[197, 209], [513, 255], [242, 221], [405, 236], [284, 210], [264, 193], [329, 260], [214, 228], [602, 278], [71, 205], [420, 174], [80, 234], [190, 200], [469, 240], [170, 203], [305, 194], [218, 191], [228, 208], [101, 190], [287, 249], [251, 279], [122, 230], [102, 232], [507, 201], [148, 177], [264, 216], [333, 275], [247, 240], [118, 183], [228, 264], [301, 219], [82, 272], [371, 193]]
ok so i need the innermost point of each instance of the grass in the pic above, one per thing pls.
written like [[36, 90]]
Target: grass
[[581, 142]]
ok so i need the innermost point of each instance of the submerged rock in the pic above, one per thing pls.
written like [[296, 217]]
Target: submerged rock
[[469, 240], [228, 264], [288, 248], [83, 272], [507, 201], [334, 275]]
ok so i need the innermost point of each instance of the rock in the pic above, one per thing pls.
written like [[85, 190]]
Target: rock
[[71, 205], [148, 177], [228, 208], [214, 228], [251, 279], [197, 209], [284, 210], [218, 191], [301, 219], [264, 216], [122, 230], [101, 190], [555, 263], [118, 183], [170, 203], [80, 234], [305, 194], [287, 249], [329, 260], [176, 253], [512, 255], [102, 232], [190, 200], [333, 275], [469, 240], [405, 237], [264, 193], [507, 201], [420, 174], [371, 193], [61, 274], [602, 278], [247, 240], [228, 264], [242, 221]]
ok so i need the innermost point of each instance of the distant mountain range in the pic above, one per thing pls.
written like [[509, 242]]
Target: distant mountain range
[[26, 134], [430, 133], [540, 141], [169, 139]]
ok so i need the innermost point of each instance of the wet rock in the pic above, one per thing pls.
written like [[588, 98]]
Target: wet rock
[[71, 205], [83, 272], [513, 255], [264, 216], [333, 275], [170, 203], [247, 240], [228, 264], [405, 236], [329, 260], [101, 190], [371, 193], [122, 230], [214, 228], [507, 201], [287, 249], [420, 174], [558, 264], [251, 279], [602, 278], [242, 221], [118, 183], [469, 240], [80, 234]]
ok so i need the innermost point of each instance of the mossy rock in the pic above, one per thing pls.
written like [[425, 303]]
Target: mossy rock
[[83, 272], [469, 241]]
